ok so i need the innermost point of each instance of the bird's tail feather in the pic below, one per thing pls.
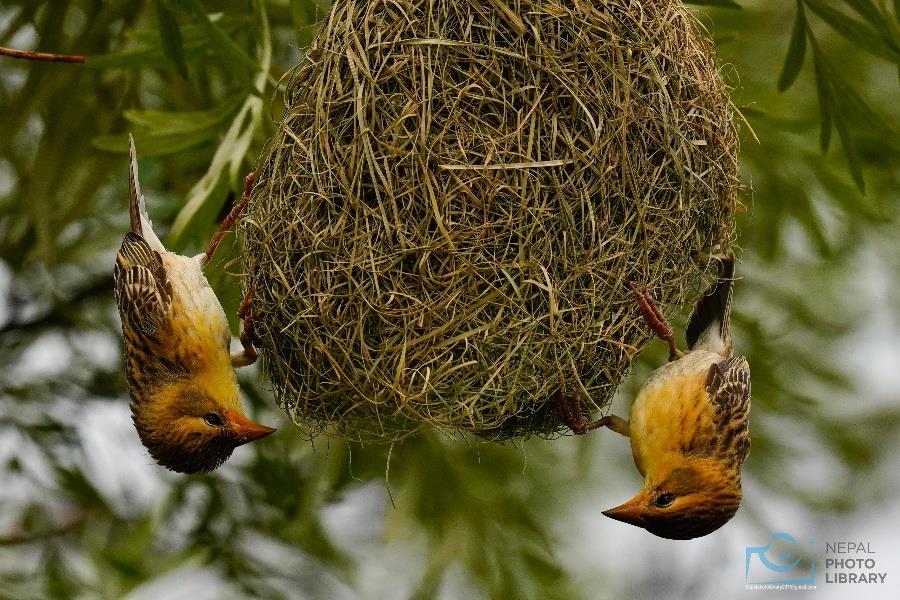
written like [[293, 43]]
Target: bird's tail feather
[[709, 327], [140, 221]]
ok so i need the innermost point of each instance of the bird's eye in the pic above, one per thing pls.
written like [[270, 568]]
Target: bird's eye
[[213, 419], [664, 500]]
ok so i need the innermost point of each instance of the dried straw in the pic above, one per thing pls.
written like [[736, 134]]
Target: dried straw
[[445, 220]]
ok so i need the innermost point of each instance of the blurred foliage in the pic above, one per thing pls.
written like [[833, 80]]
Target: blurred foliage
[[198, 84]]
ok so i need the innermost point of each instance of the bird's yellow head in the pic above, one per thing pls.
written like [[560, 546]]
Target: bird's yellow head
[[688, 501], [189, 431]]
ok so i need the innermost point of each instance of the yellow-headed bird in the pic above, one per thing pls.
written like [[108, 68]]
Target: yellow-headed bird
[[184, 392], [689, 425]]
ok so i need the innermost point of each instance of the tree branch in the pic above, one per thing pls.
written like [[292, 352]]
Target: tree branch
[[45, 56]]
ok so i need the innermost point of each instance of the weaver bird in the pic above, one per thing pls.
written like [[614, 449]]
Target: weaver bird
[[689, 425], [184, 391]]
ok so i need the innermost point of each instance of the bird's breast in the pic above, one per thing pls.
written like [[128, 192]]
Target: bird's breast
[[199, 327], [672, 411]]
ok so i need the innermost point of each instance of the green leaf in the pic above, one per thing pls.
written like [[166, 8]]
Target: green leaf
[[796, 51], [845, 194], [151, 53], [868, 11], [880, 19], [130, 59], [231, 52], [152, 145], [719, 3], [859, 33], [163, 122], [191, 34], [170, 36], [850, 150], [859, 111], [823, 89], [165, 132], [208, 194]]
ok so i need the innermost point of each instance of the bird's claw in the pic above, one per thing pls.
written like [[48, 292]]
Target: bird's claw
[[249, 339], [656, 320], [568, 410]]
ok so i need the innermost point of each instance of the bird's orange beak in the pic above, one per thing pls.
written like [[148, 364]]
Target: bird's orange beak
[[632, 512], [244, 429]]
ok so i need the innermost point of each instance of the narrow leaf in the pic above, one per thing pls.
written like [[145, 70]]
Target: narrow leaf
[[796, 51], [850, 151], [857, 32], [861, 112], [154, 145], [804, 210], [165, 132], [823, 89], [229, 49], [170, 36], [880, 19], [208, 194], [840, 116], [191, 34], [151, 53], [173, 122], [846, 195], [868, 11]]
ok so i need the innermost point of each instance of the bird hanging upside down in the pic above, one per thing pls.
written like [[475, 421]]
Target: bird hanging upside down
[[184, 392], [689, 425]]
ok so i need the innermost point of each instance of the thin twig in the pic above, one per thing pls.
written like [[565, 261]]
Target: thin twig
[[45, 56]]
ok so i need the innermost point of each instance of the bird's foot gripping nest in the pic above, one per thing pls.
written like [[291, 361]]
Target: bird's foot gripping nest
[[656, 320], [249, 339], [569, 410]]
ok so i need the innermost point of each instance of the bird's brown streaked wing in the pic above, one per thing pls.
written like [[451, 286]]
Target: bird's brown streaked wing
[[728, 385], [143, 291], [709, 327]]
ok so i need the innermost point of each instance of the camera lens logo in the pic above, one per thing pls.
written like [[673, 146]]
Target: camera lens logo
[[781, 562]]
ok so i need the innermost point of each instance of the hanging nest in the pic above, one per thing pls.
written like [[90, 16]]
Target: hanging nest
[[444, 222]]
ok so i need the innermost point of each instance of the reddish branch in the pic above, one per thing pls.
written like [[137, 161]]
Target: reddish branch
[[46, 56], [229, 221]]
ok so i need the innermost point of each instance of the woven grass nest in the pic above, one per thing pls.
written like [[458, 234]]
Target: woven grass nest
[[444, 222]]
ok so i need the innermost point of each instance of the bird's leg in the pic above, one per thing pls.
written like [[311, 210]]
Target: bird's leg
[[656, 320], [249, 340], [229, 221], [568, 409]]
